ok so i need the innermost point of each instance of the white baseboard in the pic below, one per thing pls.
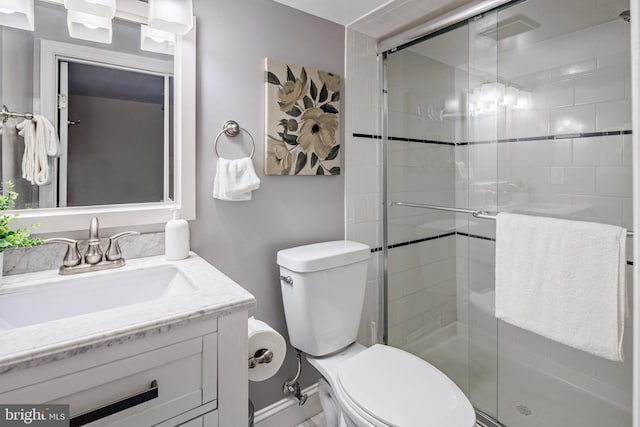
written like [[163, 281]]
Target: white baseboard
[[287, 412]]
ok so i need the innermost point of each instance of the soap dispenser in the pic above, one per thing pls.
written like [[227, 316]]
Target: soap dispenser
[[176, 238]]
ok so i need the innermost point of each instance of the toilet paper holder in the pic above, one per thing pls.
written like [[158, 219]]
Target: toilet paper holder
[[261, 356]]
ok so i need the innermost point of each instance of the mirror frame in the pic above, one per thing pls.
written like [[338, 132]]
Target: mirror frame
[[53, 220]]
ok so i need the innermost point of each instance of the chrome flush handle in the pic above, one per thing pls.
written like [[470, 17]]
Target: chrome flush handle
[[286, 279]]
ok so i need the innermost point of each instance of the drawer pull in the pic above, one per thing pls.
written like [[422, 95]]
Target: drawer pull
[[115, 407]]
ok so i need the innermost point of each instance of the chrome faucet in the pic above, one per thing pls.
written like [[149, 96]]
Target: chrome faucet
[[94, 259]]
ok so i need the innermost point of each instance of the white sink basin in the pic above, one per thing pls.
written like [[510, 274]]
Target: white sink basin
[[90, 293]]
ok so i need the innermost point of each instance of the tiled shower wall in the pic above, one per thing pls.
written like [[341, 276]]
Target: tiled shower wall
[[420, 169], [422, 275]]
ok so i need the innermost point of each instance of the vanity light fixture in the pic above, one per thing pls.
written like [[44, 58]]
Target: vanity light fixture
[[17, 14], [491, 97], [159, 41], [89, 27], [174, 16], [104, 8]]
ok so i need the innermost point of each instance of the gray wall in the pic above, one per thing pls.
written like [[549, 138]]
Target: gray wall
[[241, 239]]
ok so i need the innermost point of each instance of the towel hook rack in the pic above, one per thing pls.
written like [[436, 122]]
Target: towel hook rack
[[5, 113], [231, 128]]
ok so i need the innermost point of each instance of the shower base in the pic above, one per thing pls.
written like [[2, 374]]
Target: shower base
[[530, 392]]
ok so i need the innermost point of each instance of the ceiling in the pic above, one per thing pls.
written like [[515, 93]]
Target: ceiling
[[376, 18], [342, 12]]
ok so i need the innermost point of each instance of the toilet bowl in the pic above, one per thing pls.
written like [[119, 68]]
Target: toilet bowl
[[384, 386], [323, 287]]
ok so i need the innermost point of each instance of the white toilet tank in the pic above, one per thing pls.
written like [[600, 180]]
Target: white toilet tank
[[323, 302]]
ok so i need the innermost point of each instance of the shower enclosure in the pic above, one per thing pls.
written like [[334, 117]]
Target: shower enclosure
[[525, 109]]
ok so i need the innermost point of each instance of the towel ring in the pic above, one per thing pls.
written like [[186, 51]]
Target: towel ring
[[231, 128]]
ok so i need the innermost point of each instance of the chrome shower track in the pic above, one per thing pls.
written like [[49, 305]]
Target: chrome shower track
[[484, 420]]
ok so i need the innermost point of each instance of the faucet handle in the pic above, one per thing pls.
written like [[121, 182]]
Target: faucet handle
[[113, 252], [73, 256]]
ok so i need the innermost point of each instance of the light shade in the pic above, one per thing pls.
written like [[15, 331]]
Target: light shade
[[524, 100], [510, 98], [159, 41], [17, 14], [492, 92], [105, 8], [174, 16], [89, 27]]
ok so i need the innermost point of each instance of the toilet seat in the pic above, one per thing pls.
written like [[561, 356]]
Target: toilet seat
[[390, 387]]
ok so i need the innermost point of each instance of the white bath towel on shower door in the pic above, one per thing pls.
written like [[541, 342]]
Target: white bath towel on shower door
[[564, 280]]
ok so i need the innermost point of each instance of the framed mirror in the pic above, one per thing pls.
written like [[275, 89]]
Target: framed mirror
[[124, 116]]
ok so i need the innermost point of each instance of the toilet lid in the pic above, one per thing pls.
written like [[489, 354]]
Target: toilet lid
[[400, 389]]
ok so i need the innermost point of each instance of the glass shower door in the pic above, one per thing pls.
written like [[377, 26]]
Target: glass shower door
[[439, 279], [525, 109], [564, 152]]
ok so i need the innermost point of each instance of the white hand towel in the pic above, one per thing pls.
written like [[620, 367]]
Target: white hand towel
[[564, 280], [235, 180], [47, 136], [40, 143]]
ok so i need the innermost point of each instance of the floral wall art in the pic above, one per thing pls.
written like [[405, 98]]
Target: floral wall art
[[302, 120]]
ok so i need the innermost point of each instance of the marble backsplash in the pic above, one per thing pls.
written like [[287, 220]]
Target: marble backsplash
[[49, 256]]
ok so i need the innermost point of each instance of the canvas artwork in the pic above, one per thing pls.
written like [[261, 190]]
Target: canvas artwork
[[302, 120]]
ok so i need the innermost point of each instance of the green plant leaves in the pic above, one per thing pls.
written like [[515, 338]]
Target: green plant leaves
[[314, 159], [328, 108], [320, 171], [272, 78], [313, 91], [301, 162], [12, 238], [303, 76], [335, 170], [324, 93], [335, 97], [333, 153]]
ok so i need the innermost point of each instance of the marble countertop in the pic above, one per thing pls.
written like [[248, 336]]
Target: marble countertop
[[24, 347]]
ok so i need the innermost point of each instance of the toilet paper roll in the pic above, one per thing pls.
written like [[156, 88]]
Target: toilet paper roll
[[263, 336]]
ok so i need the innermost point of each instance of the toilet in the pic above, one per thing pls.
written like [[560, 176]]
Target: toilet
[[323, 287]]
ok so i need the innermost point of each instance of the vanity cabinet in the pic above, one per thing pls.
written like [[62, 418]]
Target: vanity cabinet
[[192, 374]]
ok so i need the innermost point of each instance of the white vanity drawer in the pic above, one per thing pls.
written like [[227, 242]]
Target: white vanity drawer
[[177, 369]]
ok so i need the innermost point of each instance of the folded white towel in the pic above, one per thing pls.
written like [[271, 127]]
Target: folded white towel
[[564, 280], [235, 180], [40, 142]]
